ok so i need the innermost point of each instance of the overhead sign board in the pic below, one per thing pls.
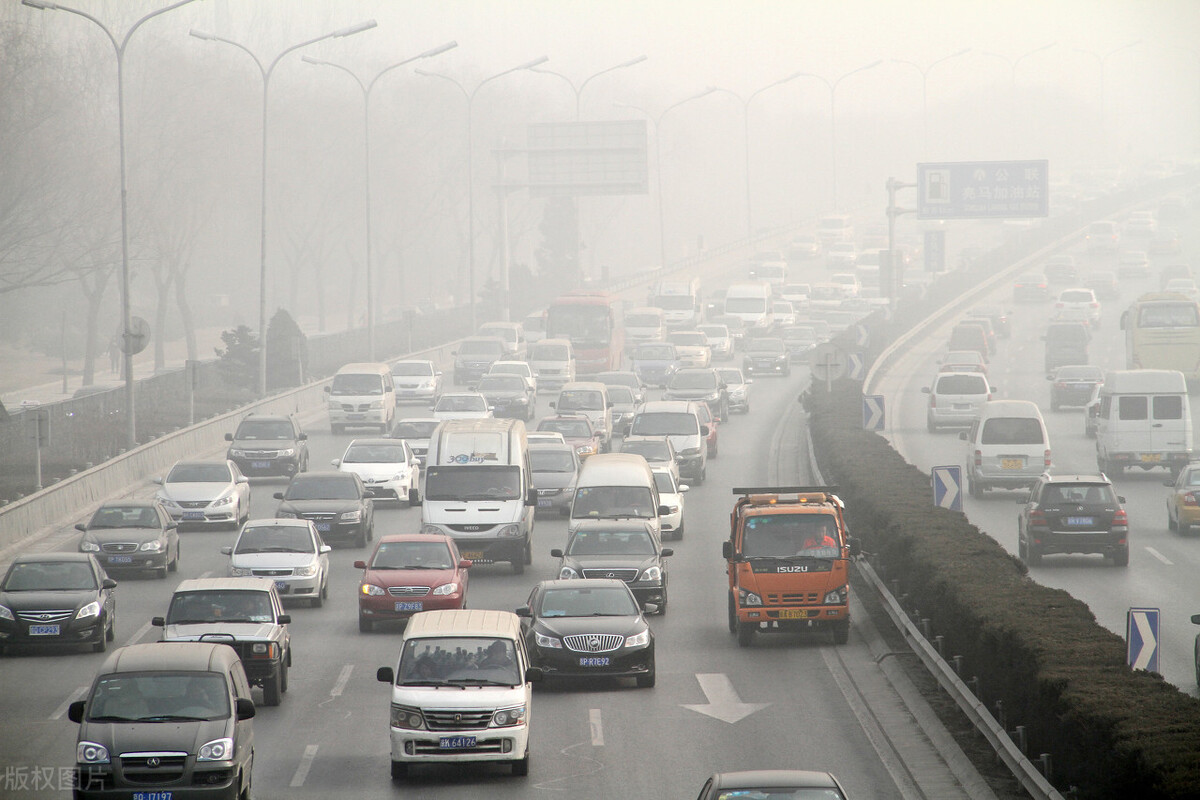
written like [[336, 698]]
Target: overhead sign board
[[983, 190], [588, 158]]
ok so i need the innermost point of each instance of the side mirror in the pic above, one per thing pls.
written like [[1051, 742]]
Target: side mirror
[[304, 437], [704, 430], [360, 564], [925, 390], [79, 526], [337, 462], [683, 487], [158, 622], [243, 479], [727, 550], [666, 551], [556, 553], [552, 404], [1121, 499], [523, 611], [75, 710], [245, 709], [109, 583], [284, 619], [531, 498], [465, 563], [650, 608], [229, 437], [328, 390], [964, 436], [1169, 484], [278, 495], [227, 550], [157, 480], [1049, 377], [533, 674], [385, 675], [324, 549]]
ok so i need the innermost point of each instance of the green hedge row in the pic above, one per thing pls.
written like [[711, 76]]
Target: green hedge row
[[1112, 733]]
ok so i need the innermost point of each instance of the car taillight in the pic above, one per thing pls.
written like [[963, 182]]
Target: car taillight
[[978, 458], [933, 401], [1094, 305], [1189, 499], [1047, 458], [1037, 518], [1120, 518], [1058, 305], [1060, 385]]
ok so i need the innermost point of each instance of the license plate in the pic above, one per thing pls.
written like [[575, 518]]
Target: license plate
[[1012, 463], [281, 586], [1151, 458], [151, 796], [44, 630], [456, 742], [409, 606], [793, 613], [472, 554], [545, 503], [1081, 520], [324, 527], [120, 559], [193, 515], [260, 465], [594, 661], [962, 406], [354, 416]]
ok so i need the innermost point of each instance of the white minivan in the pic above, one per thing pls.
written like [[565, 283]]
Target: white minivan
[[1144, 420], [461, 690], [362, 396], [1007, 447], [955, 399], [553, 361]]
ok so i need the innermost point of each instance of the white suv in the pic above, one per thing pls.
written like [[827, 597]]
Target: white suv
[[955, 399]]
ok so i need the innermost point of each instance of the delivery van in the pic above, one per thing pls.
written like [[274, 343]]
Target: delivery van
[[616, 486], [362, 396], [1144, 421], [1007, 447]]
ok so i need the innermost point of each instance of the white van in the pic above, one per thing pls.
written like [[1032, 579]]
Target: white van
[[1007, 447], [461, 690], [479, 490], [955, 399], [679, 299], [835, 228], [679, 421], [553, 361], [616, 486], [511, 333], [751, 303], [589, 398], [1144, 421], [362, 396], [646, 324]]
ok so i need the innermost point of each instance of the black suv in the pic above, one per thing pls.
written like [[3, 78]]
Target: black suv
[[765, 355], [337, 502], [626, 549], [702, 384], [1073, 514], [268, 445]]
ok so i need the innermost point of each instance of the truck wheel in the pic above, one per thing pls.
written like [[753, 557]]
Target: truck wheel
[[399, 770], [745, 634], [841, 632], [732, 616], [272, 689]]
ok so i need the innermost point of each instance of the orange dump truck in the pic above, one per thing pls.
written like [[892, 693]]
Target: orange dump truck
[[787, 558]]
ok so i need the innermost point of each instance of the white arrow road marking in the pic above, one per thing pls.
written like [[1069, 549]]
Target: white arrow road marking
[[597, 728], [310, 752], [723, 701], [75, 695], [1149, 643], [1159, 556]]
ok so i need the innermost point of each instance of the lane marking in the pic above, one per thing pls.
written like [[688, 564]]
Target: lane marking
[[71, 698], [205, 574], [597, 728], [343, 678], [1159, 556], [138, 634], [310, 752]]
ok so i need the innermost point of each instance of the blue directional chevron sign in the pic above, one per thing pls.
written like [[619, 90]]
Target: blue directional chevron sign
[[856, 366], [1141, 635], [872, 412], [862, 336], [947, 487]]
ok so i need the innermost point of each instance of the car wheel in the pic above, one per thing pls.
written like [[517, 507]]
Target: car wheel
[[520, 767], [1022, 550], [361, 539], [161, 572], [110, 633], [974, 488], [528, 552], [662, 606], [317, 600], [745, 634], [518, 566], [1121, 557], [283, 677], [399, 770], [841, 632], [733, 621], [646, 681], [679, 531], [365, 625], [271, 689], [929, 426], [173, 566], [1172, 525], [1033, 555], [101, 644]]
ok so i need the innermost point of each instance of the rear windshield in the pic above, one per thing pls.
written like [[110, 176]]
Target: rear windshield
[[642, 321], [412, 368], [961, 384], [665, 423], [1067, 334], [1012, 430], [1166, 406], [1098, 493], [480, 348], [548, 352]]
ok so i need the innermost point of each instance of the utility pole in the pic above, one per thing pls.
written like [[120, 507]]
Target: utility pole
[[891, 273]]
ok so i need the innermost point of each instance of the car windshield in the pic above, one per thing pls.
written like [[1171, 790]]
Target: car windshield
[[765, 346], [714, 331], [580, 400], [621, 395], [649, 449], [458, 661], [501, 383], [374, 454], [357, 385], [788, 535], [413, 368], [461, 402], [164, 697], [551, 460], [275, 539], [265, 430], [211, 606], [549, 352], [414, 430], [687, 379], [473, 482], [1077, 296], [587, 602], [321, 488], [692, 339], [654, 353], [731, 376], [50, 576], [745, 305], [613, 502], [1079, 373], [199, 473], [643, 321], [412, 555], [1082, 493], [665, 482], [610, 543], [125, 517], [479, 347], [665, 423], [570, 428]]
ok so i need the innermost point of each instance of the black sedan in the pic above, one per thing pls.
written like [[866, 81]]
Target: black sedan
[[132, 535], [336, 502], [1073, 385], [57, 599], [627, 549], [588, 628], [774, 783], [766, 355], [508, 396]]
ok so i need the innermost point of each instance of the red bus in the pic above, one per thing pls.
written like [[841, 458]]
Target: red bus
[[591, 321]]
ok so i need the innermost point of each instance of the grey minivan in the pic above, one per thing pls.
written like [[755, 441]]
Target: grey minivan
[[1066, 344]]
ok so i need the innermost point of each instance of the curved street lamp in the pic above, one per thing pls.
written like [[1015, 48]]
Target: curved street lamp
[[470, 98], [266, 73], [924, 90], [1102, 61], [832, 86], [126, 308], [366, 92]]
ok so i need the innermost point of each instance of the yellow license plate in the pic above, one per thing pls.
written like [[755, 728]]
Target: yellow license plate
[[1012, 463], [793, 613], [472, 554], [1151, 457]]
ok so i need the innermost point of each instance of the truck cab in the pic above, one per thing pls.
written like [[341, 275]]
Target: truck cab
[[787, 561]]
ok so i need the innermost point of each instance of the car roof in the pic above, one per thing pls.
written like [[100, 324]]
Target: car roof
[[762, 778], [463, 622], [583, 583], [414, 537], [1095, 477], [129, 504], [630, 524], [26, 558], [373, 440], [667, 406], [225, 584], [167, 656]]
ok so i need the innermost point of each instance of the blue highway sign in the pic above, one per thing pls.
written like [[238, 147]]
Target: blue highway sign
[[947, 487], [1141, 636], [856, 366], [983, 190], [873, 412]]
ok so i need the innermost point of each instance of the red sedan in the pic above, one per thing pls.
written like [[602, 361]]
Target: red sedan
[[407, 573]]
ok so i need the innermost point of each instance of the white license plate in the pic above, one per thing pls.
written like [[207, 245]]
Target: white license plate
[[151, 796], [594, 661], [415, 605], [1081, 520], [324, 527], [260, 465], [190, 515], [354, 416], [962, 406], [120, 559], [456, 742], [44, 630]]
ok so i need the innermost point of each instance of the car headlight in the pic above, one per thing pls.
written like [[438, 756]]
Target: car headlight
[[638, 639], [542, 640], [6, 613], [216, 750], [241, 572], [691, 451], [91, 753], [445, 588], [224, 500], [156, 546], [652, 574], [376, 404], [399, 477], [166, 501], [282, 514], [837, 596], [371, 590], [509, 531], [92, 609], [236, 453], [288, 453], [508, 717], [586, 449], [305, 572], [672, 509], [746, 598], [567, 572], [407, 718], [351, 516], [89, 547]]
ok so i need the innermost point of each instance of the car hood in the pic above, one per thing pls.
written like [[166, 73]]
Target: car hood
[[408, 577], [194, 491], [482, 512], [320, 506], [104, 535], [272, 560], [141, 737], [568, 626], [590, 562], [553, 480], [261, 444], [690, 394], [242, 631], [367, 471], [40, 601]]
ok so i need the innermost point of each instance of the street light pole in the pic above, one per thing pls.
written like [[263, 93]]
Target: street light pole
[[1102, 60], [924, 91], [366, 92], [470, 98], [126, 306], [832, 86], [266, 73]]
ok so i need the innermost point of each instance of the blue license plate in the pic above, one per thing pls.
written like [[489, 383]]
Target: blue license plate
[[456, 742], [190, 515], [44, 630], [545, 503], [1081, 520], [120, 559], [260, 465], [324, 527], [412, 605], [593, 661], [151, 796], [281, 586]]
